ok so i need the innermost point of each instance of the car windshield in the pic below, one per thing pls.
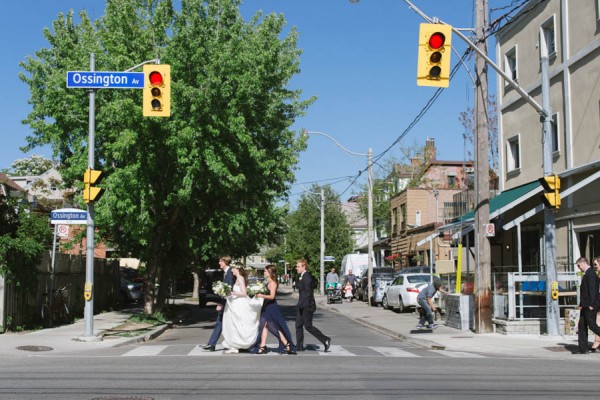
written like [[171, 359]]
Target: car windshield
[[418, 279]]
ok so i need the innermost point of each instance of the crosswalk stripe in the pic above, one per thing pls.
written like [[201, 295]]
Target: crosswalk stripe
[[457, 354], [337, 351], [145, 351], [393, 352]]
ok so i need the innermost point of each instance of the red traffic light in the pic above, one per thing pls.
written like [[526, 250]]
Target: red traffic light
[[437, 40], [156, 78]]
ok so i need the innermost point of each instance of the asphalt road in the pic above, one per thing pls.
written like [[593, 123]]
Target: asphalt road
[[363, 364]]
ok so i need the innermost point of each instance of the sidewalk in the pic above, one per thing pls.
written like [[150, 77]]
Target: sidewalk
[[402, 326], [70, 338]]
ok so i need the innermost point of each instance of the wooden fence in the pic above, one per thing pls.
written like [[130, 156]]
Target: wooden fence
[[22, 308]]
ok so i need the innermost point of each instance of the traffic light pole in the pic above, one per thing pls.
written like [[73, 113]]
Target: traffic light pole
[[89, 239], [552, 309]]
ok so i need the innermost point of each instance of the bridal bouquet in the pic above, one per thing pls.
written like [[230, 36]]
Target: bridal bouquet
[[221, 289], [256, 288]]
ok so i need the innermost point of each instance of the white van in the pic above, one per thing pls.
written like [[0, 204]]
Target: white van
[[356, 262]]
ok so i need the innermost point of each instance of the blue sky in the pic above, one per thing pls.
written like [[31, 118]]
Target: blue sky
[[359, 60]]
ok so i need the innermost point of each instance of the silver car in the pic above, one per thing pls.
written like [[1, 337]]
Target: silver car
[[402, 293]]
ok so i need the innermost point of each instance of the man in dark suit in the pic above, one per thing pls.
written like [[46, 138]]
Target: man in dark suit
[[306, 308], [227, 278], [589, 303]]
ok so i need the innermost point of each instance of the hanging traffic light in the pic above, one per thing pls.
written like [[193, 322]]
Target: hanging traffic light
[[157, 91], [435, 46], [92, 193], [551, 195]]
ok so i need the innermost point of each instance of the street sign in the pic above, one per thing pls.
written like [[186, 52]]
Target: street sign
[[62, 230], [105, 80], [490, 230], [68, 216], [328, 258]]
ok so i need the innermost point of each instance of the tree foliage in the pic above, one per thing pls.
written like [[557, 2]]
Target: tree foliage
[[203, 182], [304, 235], [24, 236], [34, 165]]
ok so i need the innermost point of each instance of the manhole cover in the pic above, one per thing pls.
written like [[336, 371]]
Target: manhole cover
[[35, 348], [556, 348], [123, 398]]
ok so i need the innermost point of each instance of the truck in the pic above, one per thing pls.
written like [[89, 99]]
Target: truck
[[357, 262]]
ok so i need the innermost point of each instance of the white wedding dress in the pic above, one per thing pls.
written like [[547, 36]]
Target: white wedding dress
[[240, 321]]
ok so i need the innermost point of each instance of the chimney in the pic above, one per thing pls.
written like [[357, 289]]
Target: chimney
[[430, 151]]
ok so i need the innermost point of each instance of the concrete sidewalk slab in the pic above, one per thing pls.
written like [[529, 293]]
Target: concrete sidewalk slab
[[71, 338]]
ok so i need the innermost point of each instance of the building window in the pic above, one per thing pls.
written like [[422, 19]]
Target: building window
[[395, 221], [451, 181], [549, 36], [554, 134], [512, 154], [510, 64], [403, 216]]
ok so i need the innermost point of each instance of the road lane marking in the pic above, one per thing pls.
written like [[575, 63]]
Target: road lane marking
[[457, 354], [145, 351], [393, 352]]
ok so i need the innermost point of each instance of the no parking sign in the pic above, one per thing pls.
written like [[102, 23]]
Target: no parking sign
[[490, 230], [62, 230]]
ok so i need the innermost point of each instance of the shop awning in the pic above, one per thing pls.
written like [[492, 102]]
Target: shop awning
[[498, 205]]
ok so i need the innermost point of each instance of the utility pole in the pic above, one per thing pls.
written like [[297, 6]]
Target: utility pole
[[483, 293], [370, 226], [322, 276], [552, 309]]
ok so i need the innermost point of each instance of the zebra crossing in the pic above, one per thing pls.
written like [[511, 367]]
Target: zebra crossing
[[334, 351]]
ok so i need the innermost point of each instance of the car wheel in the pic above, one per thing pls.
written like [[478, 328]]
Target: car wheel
[[384, 303], [401, 307]]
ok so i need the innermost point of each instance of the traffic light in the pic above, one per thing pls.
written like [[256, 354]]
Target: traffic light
[[433, 67], [551, 196], [92, 193], [157, 91]]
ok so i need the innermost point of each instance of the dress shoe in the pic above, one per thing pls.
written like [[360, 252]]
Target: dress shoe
[[327, 344], [208, 347], [581, 352]]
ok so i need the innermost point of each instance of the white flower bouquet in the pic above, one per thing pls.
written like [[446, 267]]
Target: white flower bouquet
[[221, 289], [257, 288]]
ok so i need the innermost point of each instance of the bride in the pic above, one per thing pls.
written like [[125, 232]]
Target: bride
[[241, 315]]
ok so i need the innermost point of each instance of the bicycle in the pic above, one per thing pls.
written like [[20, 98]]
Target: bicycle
[[56, 310]]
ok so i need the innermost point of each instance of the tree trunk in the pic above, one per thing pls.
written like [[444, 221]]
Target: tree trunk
[[195, 291]]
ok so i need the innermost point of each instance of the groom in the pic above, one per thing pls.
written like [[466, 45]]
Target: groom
[[228, 279], [306, 308]]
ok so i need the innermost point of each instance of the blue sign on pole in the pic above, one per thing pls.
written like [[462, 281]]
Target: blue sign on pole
[[105, 80], [68, 216], [328, 258]]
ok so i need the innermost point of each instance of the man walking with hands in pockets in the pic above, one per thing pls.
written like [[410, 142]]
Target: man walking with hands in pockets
[[306, 308]]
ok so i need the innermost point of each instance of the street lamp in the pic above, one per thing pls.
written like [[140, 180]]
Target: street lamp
[[322, 252], [369, 156]]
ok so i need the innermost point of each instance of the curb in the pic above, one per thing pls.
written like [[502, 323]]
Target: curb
[[154, 333]]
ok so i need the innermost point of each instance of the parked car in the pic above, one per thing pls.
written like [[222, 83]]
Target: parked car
[[382, 277], [205, 292], [131, 291], [402, 293], [421, 269]]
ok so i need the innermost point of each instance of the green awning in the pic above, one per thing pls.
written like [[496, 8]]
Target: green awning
[[507, 199]]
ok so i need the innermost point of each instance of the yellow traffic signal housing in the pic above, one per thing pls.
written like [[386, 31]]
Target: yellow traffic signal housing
[[551, 196], [92, 193], [435, 46], [157, 91]]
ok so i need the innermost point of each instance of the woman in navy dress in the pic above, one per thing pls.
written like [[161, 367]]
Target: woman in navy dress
[[271, 319]]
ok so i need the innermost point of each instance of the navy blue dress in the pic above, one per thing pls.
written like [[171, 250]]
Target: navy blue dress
[[271, 317]]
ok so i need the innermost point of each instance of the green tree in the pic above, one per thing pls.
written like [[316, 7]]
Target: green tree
[[24, 236], [304, 235], [204, 182], [34, 165]]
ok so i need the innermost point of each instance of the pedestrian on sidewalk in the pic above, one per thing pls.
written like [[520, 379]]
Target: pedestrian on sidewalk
[[589, 303], [348, 289], [306, 308], [596, 265], [424, 299]]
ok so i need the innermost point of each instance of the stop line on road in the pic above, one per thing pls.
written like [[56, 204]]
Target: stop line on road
[[334, 351]]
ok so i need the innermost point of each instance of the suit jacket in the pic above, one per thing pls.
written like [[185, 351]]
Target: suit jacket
[[228, 279], [588, 292], [306, 298]]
